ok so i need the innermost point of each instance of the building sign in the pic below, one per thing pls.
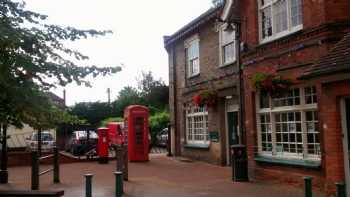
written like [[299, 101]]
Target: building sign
[[214, 136]]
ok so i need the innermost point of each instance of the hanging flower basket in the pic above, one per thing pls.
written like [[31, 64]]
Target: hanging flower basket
[[205, 98], [275, 85]]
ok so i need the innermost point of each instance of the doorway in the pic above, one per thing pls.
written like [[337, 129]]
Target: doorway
[[232, 132], [346, 142]]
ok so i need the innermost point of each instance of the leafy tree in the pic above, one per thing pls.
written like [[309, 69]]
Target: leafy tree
[[34, 59], [154, 92], [127, 96], [92, 112]]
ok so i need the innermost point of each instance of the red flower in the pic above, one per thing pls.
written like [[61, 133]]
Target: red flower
[[197, 100]]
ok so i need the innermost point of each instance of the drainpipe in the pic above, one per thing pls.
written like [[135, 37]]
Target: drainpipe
[[240, 83], [175, 137]]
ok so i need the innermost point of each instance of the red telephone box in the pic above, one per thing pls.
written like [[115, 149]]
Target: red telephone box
[[116, 134], [136, 128], [103, 143]]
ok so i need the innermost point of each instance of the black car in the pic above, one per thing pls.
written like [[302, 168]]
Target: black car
[[78, 143]]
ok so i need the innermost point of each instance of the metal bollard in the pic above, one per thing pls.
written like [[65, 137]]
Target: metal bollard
[[126, 163], [56, 169], [35, 171], [341, 189], [88, 185], [118, 184], [119, 157], [308, 186]]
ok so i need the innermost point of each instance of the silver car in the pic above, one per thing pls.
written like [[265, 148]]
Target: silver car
[[47, 142]]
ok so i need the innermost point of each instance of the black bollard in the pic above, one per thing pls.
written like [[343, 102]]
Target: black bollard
[[308, 186], [88, 185], [118, 184], [35, 171], [341, 191], [56, 166]]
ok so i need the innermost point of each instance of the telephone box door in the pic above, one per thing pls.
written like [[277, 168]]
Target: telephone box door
[[138, 142]]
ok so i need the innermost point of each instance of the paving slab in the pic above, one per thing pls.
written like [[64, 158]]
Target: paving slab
[[160, 177]]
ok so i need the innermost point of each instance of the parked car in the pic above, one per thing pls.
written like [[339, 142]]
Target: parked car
[[47, 141], [78, 143], [162, 137]]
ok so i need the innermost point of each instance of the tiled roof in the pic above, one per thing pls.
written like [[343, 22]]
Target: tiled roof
[[190, 27], [337, 60]]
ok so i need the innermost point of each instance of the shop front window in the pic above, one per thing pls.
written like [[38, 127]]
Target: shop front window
[[197, 125], [288, 125]]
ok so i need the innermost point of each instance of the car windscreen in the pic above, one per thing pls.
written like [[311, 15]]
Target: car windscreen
[[44, 137], [83, 134]]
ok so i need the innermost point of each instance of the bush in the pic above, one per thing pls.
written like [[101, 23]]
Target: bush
[[104, 122], [157, 122]]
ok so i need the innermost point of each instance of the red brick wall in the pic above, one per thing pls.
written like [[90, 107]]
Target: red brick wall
[[330, 115], [290, 56]]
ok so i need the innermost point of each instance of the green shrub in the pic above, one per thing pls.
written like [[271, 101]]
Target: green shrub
[[104, 122], [158, 122]]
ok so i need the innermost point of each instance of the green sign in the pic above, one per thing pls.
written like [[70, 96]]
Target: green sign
[[214, 136]]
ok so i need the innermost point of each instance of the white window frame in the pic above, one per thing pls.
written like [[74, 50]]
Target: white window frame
[[188, 43], [290, 29], [191, 113], [271, 111], [222, 45]]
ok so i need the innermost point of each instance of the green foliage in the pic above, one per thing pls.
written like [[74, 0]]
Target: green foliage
[[157, 122], [127, 96], [112, 119], [154, 92], [151, 93], [275, 85], [258, 78], [92, 112], [34, 59]]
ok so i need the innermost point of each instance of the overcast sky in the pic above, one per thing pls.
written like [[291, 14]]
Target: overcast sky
[[137, 42]]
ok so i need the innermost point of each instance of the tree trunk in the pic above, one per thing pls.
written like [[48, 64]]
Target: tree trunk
[[3, 167], [39, 141]]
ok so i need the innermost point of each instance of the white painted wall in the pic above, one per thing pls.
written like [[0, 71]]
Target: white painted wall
[[18, 136]]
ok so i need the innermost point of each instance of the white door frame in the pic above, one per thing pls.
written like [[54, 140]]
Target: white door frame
[[228, 108], [345, 144]]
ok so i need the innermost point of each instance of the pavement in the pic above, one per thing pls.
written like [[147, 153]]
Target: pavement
[[160, 177]]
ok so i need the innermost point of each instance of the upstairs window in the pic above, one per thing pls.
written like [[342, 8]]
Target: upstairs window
[[192, 54], [279, 18], [227, 46]]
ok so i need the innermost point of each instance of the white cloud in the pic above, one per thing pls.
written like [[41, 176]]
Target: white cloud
[[137, 42]]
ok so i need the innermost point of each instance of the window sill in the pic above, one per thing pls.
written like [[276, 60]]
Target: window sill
[[197, 146], [193, 76], [227, 64], [289, 162], [281, 35]]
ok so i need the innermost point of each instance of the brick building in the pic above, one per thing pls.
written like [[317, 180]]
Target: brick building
[[296, 79], [198, 63]]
